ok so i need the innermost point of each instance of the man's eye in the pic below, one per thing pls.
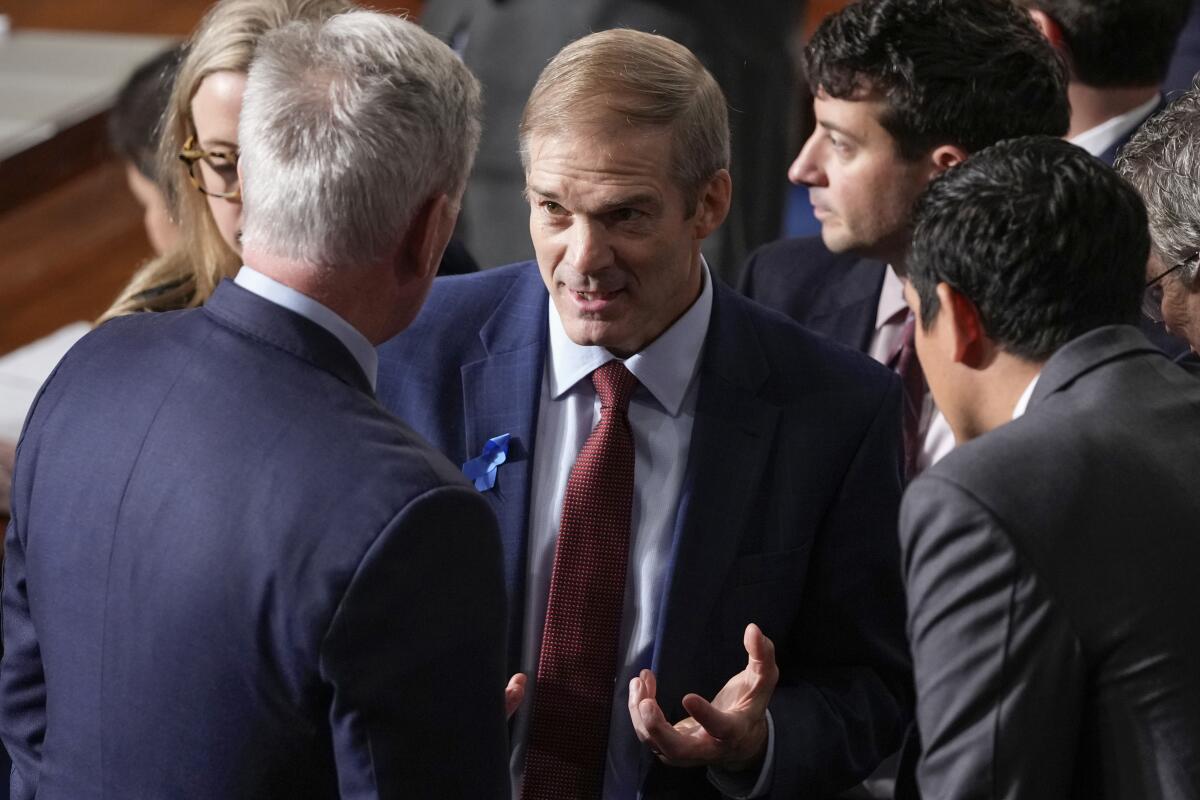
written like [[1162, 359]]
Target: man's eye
[[627, 215], [552, 208]]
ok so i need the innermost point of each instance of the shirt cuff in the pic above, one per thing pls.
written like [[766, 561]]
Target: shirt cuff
[[737, 785]]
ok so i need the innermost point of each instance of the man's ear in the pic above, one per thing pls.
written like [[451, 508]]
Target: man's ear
[[427, 236], [944, 157], [713, 205], [967, 340], [1049, 28]]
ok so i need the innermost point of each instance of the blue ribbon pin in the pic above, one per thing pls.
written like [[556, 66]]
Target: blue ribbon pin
[[482, 468]]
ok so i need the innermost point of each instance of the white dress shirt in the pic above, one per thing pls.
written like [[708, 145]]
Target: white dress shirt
[[661, 413], [273, 291], [1023, 400], [936, 437], [1098, 139]]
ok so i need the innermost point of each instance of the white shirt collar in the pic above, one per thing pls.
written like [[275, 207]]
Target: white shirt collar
[[1023, 400], [1098, 139], [891, 298], [273, 291], [666, 367]]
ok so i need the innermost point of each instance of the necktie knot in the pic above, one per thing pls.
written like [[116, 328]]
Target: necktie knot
[[614, 385]]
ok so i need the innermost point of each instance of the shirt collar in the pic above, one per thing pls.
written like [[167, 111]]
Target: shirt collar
[[1098, 139], [1023, 400], [891, 298], [666, 367], [275, 292]]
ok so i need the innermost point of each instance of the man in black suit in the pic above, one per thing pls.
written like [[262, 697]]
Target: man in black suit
[[230, 573], [744, 45], [904, 89], [1118, 54], [1050, 560]]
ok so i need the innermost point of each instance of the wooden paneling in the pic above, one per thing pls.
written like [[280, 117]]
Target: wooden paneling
[[66, 254]]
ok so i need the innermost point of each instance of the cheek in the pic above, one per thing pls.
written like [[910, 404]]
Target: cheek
[[228, 217]]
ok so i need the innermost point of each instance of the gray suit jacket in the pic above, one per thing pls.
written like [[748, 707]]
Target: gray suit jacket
[[1051, 572]]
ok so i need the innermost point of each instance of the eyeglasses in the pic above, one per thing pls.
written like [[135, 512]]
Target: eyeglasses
[[213, 172], [1152, 295]]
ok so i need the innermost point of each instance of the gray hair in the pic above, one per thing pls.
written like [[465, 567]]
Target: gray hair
[[640, 79], [348, 127], [1162, 161]]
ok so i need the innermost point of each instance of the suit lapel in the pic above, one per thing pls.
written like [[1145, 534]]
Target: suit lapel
[[850, 304], [731, 441], [500, 395]]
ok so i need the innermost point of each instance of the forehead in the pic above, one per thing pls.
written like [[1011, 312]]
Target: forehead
[[600, 160]]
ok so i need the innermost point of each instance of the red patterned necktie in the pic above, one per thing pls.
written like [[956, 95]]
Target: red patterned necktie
[[573, 695], [912, 378]]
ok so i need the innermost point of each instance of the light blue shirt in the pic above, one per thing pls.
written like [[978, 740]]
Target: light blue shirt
[[661, 413], [273, 291]]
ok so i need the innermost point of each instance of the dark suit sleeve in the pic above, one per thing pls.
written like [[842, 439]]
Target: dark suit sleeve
[[843, 707], [414, 658], [998, 670], [22, 681]]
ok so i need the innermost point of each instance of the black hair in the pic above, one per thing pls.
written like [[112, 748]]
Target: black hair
[[135, 121], [1047, 241], [962, 72], [1113, 43]]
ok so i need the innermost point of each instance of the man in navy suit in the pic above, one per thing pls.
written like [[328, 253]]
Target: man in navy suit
[[759, 612], [904, 90], [230, 573]]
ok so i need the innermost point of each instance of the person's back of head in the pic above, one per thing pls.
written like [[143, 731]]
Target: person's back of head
[[1116, 43], [135, 120], [1046, 241], [135, 125], [961, 72], [1024, 247], [352, 131]]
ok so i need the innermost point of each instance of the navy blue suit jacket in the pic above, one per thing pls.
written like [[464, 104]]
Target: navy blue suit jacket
[[231, 574], [837, 294], [787, 515]]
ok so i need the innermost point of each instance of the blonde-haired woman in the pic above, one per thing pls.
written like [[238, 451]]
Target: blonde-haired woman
[[198, 153]]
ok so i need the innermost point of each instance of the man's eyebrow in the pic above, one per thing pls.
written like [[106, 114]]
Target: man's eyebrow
[[644, 199], [531, 190], [836, 128]]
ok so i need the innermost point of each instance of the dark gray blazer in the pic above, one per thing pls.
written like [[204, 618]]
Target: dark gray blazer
[[231, 574], [1053, 578], [745, 46]]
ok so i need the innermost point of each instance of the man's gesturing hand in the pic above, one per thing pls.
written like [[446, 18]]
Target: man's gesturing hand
[[729, 732]]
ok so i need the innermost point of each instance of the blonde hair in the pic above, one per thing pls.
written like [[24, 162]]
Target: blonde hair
[[638, 79], [225, 40]]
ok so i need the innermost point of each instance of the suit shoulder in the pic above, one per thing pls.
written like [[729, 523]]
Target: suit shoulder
[[458, 305], [790, 264], [799, 360]]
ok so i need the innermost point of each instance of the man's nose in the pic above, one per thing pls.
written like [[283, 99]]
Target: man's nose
[[806, 169], [589, 249]]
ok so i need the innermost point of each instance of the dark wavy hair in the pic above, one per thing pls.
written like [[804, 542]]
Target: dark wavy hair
[[1047, 242], [961, 72], [1118, 42]]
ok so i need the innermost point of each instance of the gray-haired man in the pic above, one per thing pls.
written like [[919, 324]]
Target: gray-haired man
[[230, 572]]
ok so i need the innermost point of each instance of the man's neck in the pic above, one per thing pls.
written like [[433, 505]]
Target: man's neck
[[355, 295], [997, 391], [1092, 106]]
